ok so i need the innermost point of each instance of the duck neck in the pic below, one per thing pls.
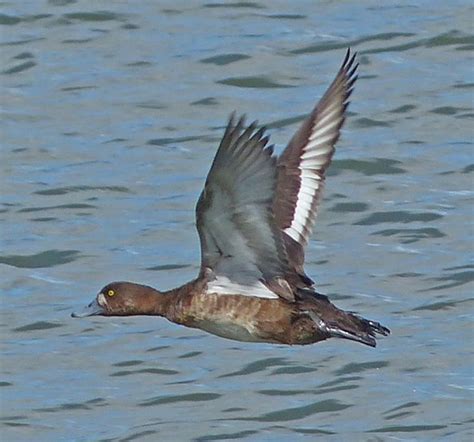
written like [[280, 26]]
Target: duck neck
[[178, 302], [154, 303]]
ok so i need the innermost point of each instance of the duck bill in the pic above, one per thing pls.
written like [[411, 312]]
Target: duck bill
[[93, 309]]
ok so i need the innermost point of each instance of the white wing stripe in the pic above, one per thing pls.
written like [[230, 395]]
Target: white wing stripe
[[309, 153], [309, 156], [295, 231], [320, 132], [310, 183], [315, 163], [313, 158], [309, 193], [310, 175], [320, 125], [305, 203], [320, 141]]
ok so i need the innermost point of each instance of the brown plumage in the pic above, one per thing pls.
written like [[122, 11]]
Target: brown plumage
[[254, 218]]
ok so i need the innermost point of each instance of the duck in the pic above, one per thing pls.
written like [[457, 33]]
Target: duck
[[255, 217]]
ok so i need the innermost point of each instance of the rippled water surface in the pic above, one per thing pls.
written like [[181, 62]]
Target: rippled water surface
[[111, 114]]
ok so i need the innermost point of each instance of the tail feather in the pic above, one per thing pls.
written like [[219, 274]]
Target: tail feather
[[360, 330], [341, 324]]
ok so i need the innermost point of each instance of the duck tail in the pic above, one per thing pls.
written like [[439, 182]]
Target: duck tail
[[341, 324], [356, 328]]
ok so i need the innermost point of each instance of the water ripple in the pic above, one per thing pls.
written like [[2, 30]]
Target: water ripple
[[296, 413], [222, 60], [260, 82], [397, 216], [191, 397], [255, 367], [48, 258], [35, 326]]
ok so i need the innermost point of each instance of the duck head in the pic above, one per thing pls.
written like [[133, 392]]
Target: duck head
[[124, 299]]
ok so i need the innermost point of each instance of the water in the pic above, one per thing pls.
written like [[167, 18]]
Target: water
[[112, 112]]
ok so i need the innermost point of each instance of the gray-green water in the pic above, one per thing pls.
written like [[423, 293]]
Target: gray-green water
[[112, 112]]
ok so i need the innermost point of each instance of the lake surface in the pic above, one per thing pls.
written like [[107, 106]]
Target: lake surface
[[111, 115]]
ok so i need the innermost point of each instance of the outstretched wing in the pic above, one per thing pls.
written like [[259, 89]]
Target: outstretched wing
[[302, 165], [241, 246]]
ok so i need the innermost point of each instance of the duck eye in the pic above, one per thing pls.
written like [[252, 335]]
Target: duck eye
[[111, 292]]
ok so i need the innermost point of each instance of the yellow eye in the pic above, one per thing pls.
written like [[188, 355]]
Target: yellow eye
[[111, 293]]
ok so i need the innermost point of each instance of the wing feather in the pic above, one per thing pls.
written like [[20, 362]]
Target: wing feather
[[241, 245], [256, 214], [302, 166]]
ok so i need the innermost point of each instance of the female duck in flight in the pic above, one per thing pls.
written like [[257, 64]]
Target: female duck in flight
[[254, 218]]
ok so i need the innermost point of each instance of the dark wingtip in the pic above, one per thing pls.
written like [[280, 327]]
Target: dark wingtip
[[349, 59], [270, 149], [346, 57], [232, 117]]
